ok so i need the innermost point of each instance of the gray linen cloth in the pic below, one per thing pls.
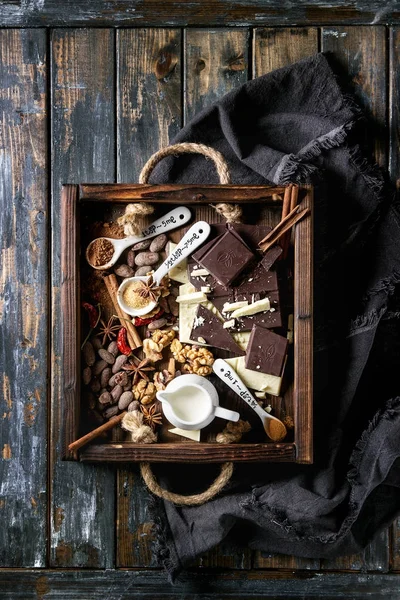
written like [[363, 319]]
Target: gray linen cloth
[[296, 125]]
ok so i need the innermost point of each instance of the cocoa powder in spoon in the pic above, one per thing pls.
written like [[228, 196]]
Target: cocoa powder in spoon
[[100, 252]]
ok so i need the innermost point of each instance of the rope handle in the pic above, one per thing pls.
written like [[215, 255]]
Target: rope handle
[[188, 148], [232, 213], [193, 500]]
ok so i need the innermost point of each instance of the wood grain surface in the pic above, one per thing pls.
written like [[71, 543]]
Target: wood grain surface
[[23, 297], [216, 61], [274, 48], [210, 585], [83, 147], [168, 13], [359, 53], [85, 65], [149, 91], [149, 113]]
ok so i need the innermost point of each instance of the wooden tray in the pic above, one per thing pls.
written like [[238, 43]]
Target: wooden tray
[[77, 201]]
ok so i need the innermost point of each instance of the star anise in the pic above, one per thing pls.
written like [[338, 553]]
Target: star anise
[[140, 370], [150, 416], [108, 330], [150, 290]]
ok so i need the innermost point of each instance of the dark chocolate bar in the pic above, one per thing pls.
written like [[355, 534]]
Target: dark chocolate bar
[[257, 280], [209, 328], [266, 351], [227, 258], [271, 256], [268, 319]]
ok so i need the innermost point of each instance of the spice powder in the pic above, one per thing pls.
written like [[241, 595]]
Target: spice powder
[[100, 252], [133, 295]]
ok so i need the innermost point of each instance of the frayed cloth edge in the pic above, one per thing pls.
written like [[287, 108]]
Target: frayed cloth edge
[[298, 167], [162, 542], [278, 517]]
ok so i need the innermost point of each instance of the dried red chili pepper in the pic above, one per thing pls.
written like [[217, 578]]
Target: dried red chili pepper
[[139, 321], [122, 342], [93, 314]]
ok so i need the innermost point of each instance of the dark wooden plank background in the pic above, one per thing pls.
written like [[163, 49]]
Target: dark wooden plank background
[[92, 105]]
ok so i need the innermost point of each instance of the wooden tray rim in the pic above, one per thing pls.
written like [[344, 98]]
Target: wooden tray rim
[[301, 450]]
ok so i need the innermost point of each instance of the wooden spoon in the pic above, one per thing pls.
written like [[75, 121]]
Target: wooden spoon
[[273, 427]]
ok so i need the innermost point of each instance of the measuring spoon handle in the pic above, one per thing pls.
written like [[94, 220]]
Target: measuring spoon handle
[[173, 219], [232, 380], [197, 235]]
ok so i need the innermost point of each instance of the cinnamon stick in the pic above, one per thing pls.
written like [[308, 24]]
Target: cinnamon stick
[[284, 226], [132, 334], [294, 193], [96, 432]]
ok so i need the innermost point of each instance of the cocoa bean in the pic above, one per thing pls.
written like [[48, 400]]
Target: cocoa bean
[[98, 367], [91, 401], [142, 271], [173, 305], [111, 411], [128, 387], [106, 398], [107, 356], [130, 258], [97, 417], [96, 343], [146, 258], [95, 385], [87, 375], [124, 271], [113, 348], [158, 243], [135, 405], [105, 377], [116, 392], [120, 378], [156, 324], [119, 363], [125, 400], [89, 354], [141, 245]]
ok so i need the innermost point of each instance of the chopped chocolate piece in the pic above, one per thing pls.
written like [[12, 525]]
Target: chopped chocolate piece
[[249, 234], [271, 256], [266, 351], [270, 319], [257, 280], [227, 258], [208, 329]]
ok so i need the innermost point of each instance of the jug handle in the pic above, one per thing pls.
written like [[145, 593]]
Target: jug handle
[[224, 413]]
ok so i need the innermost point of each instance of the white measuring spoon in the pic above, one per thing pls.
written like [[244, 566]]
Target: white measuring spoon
[[192, 239], [232, 380], [175, 218]]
